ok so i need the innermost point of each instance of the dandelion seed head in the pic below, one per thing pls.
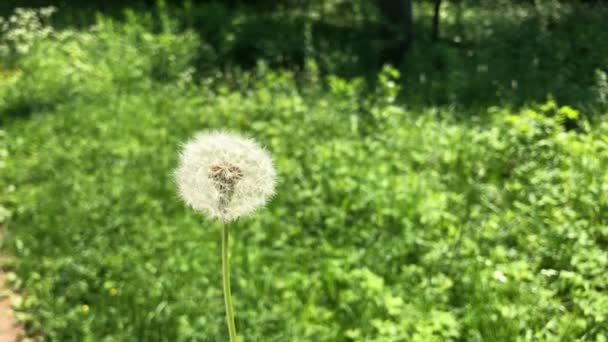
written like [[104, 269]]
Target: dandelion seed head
[[224, 175]]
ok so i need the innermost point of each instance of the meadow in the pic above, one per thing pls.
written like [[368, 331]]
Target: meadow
[[459, 196]]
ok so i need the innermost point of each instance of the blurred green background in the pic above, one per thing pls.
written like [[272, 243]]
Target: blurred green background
[[442, 176]]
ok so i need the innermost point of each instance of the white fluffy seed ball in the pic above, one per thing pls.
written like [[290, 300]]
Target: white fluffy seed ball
[[224, 175]]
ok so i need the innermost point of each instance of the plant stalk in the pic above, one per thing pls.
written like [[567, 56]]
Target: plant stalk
[[226, 278]]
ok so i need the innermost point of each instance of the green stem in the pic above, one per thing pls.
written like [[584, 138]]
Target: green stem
[[226, 277]]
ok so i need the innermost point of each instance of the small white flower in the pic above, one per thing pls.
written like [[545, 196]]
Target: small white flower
[[499, 276], [224, 175], [549, 272]]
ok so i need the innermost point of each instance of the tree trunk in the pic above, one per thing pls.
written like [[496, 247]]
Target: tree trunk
[[408, 21], [398, 28], [435, 35]]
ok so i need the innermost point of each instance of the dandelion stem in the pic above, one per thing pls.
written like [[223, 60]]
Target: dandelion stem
[[226, 277]]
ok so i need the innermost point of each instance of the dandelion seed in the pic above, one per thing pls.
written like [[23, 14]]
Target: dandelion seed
[[224, 175]]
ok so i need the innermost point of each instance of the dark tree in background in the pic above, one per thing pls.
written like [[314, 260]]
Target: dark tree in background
[[436, 9], [398, 33]]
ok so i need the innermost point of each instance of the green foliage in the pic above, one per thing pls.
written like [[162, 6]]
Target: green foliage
[[507, 52], [389, 224], [20, 31], [76, 63]]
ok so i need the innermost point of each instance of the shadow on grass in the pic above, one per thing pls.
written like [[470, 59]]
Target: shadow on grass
[[520, 62]]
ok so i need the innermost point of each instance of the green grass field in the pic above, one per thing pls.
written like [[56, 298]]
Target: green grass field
[[408, 208]]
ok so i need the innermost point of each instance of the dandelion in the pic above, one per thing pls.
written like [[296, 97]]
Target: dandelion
[[225, 176]]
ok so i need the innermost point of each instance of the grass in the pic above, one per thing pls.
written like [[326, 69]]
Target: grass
[[394, 220]]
